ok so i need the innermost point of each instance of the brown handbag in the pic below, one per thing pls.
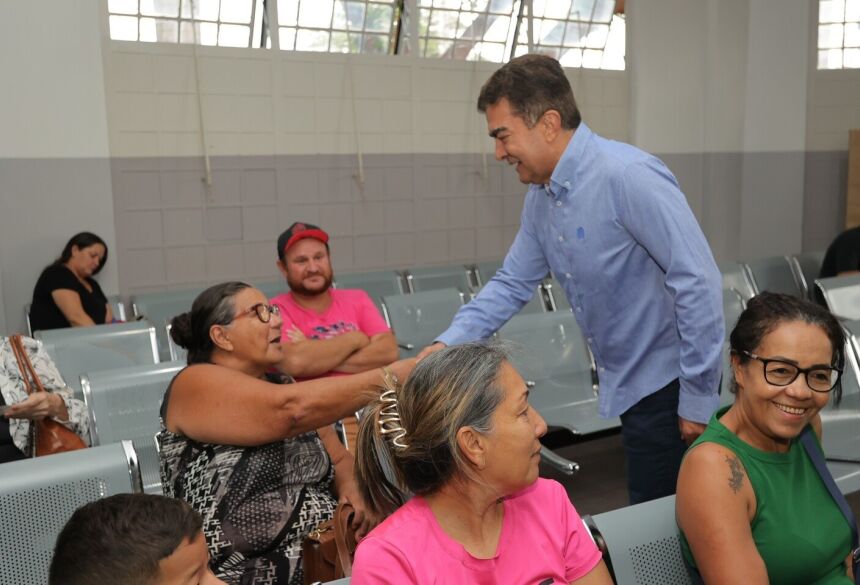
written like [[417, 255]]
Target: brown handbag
[[327, 552], [47, 435]]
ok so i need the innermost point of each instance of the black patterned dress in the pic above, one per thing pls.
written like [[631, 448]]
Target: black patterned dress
[[257, 503]]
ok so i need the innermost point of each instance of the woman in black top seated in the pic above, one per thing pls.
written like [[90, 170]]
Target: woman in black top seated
[[66, 295]]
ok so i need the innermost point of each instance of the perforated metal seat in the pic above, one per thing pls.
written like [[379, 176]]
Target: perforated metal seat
[[554, 360], [418, 318], [159, 308], [124, 404], [37, 497], [375, 284], [842, 294], [436, 277], [773, 274], [103, 347], [641, 544]]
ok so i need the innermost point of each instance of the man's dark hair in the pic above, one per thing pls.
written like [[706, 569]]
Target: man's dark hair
[[121, 539], [533, 85], [766, 311]]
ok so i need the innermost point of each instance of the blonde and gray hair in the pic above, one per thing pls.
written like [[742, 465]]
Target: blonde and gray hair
[[454, 388]]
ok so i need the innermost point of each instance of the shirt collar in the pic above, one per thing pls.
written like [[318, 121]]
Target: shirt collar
[[562, 176]]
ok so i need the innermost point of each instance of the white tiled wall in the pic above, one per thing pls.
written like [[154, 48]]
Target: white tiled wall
[[270, 102]]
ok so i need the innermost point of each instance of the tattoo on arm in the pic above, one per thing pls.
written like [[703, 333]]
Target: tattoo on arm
[[737, 478]]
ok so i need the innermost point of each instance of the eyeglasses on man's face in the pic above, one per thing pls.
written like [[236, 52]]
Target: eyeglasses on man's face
[[263, 311], [782, 373]]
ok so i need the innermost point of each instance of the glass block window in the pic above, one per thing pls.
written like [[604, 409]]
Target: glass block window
[[224, 23], [337, 26], [579, 33], [838, 34]]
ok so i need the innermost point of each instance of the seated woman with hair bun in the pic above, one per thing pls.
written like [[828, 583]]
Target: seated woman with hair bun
[[462, 437], [238, 442]]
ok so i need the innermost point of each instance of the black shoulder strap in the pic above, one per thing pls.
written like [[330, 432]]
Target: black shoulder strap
[[807, 439]]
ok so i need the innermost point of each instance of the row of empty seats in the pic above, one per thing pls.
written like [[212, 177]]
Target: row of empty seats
[[792, 275]]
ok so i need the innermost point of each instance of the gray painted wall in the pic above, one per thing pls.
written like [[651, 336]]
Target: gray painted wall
[[414, 209]]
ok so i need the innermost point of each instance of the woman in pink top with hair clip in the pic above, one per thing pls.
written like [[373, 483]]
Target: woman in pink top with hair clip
[[462, 437]]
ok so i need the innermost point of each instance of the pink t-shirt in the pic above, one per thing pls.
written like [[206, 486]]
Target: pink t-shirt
[[350, 310], [543, 541]]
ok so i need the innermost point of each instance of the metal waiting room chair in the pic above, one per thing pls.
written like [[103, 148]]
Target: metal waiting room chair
[[115, 301], [735, 276], [733, 306], [773, 274], [271, 288], [640, 544], [376, 284], [436, 277], [418, 318], [38, 496], [806, 269], [553, 358], [159, 308], [124, 404], [555, 295], [104, 347], [842, 295], [482, 272]]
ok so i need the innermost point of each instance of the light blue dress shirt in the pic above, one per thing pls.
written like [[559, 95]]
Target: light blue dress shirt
[[616, 231]]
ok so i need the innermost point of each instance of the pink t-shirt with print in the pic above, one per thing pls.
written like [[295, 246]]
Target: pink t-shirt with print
[[542, 541], [350, 310]]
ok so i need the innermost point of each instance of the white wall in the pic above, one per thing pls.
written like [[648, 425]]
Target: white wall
[[718, 89], [54, 171]]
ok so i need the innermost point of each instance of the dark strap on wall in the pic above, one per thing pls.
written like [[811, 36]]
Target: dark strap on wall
[[817, 457]]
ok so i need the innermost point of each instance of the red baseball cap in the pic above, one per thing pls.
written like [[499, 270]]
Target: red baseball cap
[[299, 231]]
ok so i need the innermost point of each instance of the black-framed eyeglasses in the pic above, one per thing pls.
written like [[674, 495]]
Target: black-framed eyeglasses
[[263, 311], [781, 373]]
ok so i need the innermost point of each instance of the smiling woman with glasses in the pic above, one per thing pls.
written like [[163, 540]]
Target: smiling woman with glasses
[[238, 440], [751, 506]]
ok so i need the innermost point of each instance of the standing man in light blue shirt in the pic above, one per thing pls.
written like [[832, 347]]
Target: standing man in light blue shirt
[[611, 223]]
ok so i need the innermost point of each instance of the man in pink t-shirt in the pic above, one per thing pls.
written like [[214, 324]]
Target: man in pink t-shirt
[[325, 331]]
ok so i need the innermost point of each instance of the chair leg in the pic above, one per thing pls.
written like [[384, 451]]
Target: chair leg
[[566, 466]]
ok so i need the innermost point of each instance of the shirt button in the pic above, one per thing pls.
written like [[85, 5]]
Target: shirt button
[[558, 203], [567, 184], [567, 275], [579, 309], [589, 341], [561, 238], [602, 369]]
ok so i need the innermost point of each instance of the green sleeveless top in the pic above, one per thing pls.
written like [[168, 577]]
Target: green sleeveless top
[[798, 529]]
